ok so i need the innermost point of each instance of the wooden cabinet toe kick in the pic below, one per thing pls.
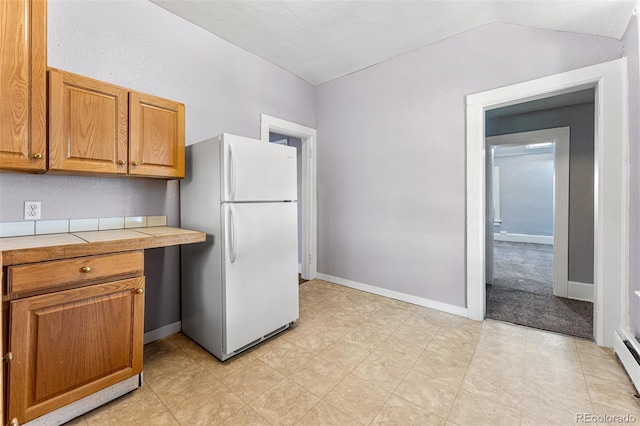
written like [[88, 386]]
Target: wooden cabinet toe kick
[[88, 403]]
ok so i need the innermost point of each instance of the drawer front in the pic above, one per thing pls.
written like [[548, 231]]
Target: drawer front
[[46, 276]]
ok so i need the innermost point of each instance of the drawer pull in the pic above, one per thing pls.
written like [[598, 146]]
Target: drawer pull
[[85, 269], [139, 290]]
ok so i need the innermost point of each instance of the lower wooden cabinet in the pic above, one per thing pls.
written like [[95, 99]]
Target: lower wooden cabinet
[[69, 344]]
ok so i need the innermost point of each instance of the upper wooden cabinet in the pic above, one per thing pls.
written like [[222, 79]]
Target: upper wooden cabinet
[[156, 136], [23, 85], [97, 127], [87, 125]]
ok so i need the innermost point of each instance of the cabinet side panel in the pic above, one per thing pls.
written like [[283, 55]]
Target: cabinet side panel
[[201, 263], [23, 85]]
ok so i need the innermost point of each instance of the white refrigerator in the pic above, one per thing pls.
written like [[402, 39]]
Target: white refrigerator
[[241, 286]]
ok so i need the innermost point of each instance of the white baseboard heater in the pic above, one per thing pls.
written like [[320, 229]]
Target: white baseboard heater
[[627, 349]]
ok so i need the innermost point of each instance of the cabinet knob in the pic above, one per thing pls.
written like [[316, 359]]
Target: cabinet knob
[[139, 290], [135, 163], [37, 156], [85, 269], [14, 422], [8, 357], [121, 162]]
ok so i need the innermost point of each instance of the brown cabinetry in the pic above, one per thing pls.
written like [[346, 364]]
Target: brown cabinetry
[[23, 90], [97, 127], [156, 136], [67, 344]]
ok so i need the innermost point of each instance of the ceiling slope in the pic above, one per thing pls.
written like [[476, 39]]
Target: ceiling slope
[[321, 40]]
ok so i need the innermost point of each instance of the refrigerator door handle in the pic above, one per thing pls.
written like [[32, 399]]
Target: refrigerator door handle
[[232, 236], [231, 175]]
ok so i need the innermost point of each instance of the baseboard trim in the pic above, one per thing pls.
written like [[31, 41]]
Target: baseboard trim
[[162, 332], [420, 301], [524, 238], [580, 291]]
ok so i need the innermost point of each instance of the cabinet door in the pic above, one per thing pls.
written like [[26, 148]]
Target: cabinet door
[[87, 125], [156, 142], [23, 85], [70, 344]]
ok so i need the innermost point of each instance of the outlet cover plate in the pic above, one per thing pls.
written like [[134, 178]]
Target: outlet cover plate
[[32, 210]]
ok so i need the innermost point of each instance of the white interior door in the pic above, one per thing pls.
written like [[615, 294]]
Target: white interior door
[[261, 270], [257, 171]]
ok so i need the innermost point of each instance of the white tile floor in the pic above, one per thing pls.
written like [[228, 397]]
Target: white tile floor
[[356, 358]]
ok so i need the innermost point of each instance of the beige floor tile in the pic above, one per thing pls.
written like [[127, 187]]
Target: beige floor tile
[[366, 338], [133, 408], [550, 342], [551, 419], [429, 394], [381, 371], [174, 388], [163, 419], [470, 335], [589, 347], [397, 411], [252, 380], [441, 368], [344, 354], [357, 398], [413, 335], [459, 350], [221, 369], [508, 359], [624, 415], [617, 394], [427, 319], [472, 409], [284, 403], [286, 357], [495, 384], [163, 357], [78, 421], [313, 341], [604, 367], [400, 351], [246, 417], [555, 403], [207, 407], [326, 415], [318, 376]]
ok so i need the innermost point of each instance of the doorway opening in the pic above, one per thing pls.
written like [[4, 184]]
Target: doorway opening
[[611, 183], [297, 144], [307, 186], [528, 205]]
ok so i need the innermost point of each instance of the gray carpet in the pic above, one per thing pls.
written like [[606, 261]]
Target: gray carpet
[[522, 292]]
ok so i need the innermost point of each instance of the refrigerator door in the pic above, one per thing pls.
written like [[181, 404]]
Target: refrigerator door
[[257, 171], [260, 270]]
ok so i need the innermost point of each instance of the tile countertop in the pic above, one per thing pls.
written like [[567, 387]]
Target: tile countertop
[[38, 248]]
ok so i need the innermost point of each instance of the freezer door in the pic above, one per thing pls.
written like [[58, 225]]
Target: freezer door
[[260, 270], [257, 171]]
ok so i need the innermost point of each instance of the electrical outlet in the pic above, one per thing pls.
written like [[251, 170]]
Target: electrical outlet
[[32, 210]]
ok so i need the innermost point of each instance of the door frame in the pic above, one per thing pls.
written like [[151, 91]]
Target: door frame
[[611, 186], [559, 136], [309, 193]]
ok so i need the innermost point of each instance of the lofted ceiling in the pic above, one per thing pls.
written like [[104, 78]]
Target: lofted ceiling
[[321, 40]]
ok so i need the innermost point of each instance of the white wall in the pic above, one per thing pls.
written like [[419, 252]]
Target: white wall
[[632, 46], [391, 153], [141, 46]]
